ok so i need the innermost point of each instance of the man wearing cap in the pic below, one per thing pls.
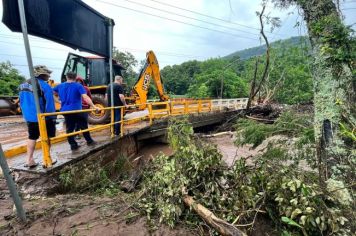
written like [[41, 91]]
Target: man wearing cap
[[28, 108]]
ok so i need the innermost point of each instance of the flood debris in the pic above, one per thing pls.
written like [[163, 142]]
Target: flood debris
[[219, 225]]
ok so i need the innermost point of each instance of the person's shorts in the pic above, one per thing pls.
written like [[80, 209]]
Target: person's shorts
[[34, 131]]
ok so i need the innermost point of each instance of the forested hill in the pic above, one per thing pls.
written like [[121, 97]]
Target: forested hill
[[231, 77], [257, 51]]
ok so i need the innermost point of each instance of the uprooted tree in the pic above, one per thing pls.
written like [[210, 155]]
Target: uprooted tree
[[333, 79]]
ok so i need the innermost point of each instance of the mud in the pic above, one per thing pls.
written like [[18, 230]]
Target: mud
[[13, 131], [80, 215]]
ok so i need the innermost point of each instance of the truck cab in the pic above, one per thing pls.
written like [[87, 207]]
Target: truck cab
[[93, 69], [96, 74]]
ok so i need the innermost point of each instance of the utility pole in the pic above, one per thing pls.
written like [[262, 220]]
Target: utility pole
[[221, 86]]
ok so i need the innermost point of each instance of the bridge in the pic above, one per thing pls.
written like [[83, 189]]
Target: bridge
[[135, 127]]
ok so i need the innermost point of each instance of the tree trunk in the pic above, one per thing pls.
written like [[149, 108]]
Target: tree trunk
[[220, 225], [253, 86], [256, 87], [334, 89]]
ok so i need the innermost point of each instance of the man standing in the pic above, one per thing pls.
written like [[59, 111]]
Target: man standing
[[80, 80], [119, 100], [28, 108], [85, 105], [71, 95]]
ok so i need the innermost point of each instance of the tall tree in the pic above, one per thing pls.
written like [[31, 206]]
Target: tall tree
[[128, 61], [333, 50]]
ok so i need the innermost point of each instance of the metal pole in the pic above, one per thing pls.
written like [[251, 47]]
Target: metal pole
[[12, 187], [111, 74], [28, 53]]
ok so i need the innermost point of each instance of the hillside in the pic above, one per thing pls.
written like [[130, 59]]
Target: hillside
[[256, 51]]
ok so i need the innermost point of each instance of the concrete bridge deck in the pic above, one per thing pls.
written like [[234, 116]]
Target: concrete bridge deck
[[14, 133]]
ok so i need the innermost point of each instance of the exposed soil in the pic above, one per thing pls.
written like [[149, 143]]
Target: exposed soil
[[13, 131], [79, 215]]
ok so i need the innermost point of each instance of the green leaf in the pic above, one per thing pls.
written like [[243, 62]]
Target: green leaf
[[285, 233], [290, 222]]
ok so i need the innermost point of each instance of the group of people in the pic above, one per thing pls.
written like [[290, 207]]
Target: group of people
[[73, 95]]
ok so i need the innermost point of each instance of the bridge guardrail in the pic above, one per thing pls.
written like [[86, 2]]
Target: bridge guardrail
[[155, 110]]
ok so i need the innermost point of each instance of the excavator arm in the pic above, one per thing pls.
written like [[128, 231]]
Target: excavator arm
[[148, 72]]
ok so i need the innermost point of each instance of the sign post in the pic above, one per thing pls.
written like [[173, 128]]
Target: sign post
[[12, 187], [110, 29], [28, 53]]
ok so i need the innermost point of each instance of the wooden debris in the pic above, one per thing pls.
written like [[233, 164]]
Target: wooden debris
[[216, 134], [266, 121], [219, 225], [135, 176]]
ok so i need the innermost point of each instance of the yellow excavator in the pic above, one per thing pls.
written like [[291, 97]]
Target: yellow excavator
[[95, 71], [140, 89]]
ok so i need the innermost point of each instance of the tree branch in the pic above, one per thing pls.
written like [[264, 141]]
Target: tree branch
[[265, 72]]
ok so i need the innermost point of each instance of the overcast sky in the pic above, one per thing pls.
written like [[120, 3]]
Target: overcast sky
[[174, 34]]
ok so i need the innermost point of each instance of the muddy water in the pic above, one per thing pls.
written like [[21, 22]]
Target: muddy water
[[224, 143], [151, 149], [229, 151]]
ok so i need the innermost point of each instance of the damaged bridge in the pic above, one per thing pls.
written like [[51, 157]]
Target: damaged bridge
[[136, 128]]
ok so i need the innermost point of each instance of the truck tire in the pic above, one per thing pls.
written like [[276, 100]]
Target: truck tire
[[102, 116]]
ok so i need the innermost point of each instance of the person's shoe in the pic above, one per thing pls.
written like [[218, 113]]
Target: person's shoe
[[91, 143], [31, 166], [77, 137], [74, 147]]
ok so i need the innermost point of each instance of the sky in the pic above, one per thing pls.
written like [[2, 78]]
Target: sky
[[176, 31]]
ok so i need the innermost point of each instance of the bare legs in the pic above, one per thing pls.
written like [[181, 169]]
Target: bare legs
[[31, 144]]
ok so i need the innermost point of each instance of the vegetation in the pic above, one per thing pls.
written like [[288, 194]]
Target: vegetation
[[10, 79], [289, 75], [248, 53], [333, 53], [289, 123], [276, 186], [128, 61], [95, 176]]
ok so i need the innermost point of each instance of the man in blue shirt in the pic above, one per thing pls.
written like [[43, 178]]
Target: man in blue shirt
[[28, 108], [71, 95]]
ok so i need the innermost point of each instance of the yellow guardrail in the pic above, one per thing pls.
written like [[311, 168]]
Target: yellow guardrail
[[155, 110]]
